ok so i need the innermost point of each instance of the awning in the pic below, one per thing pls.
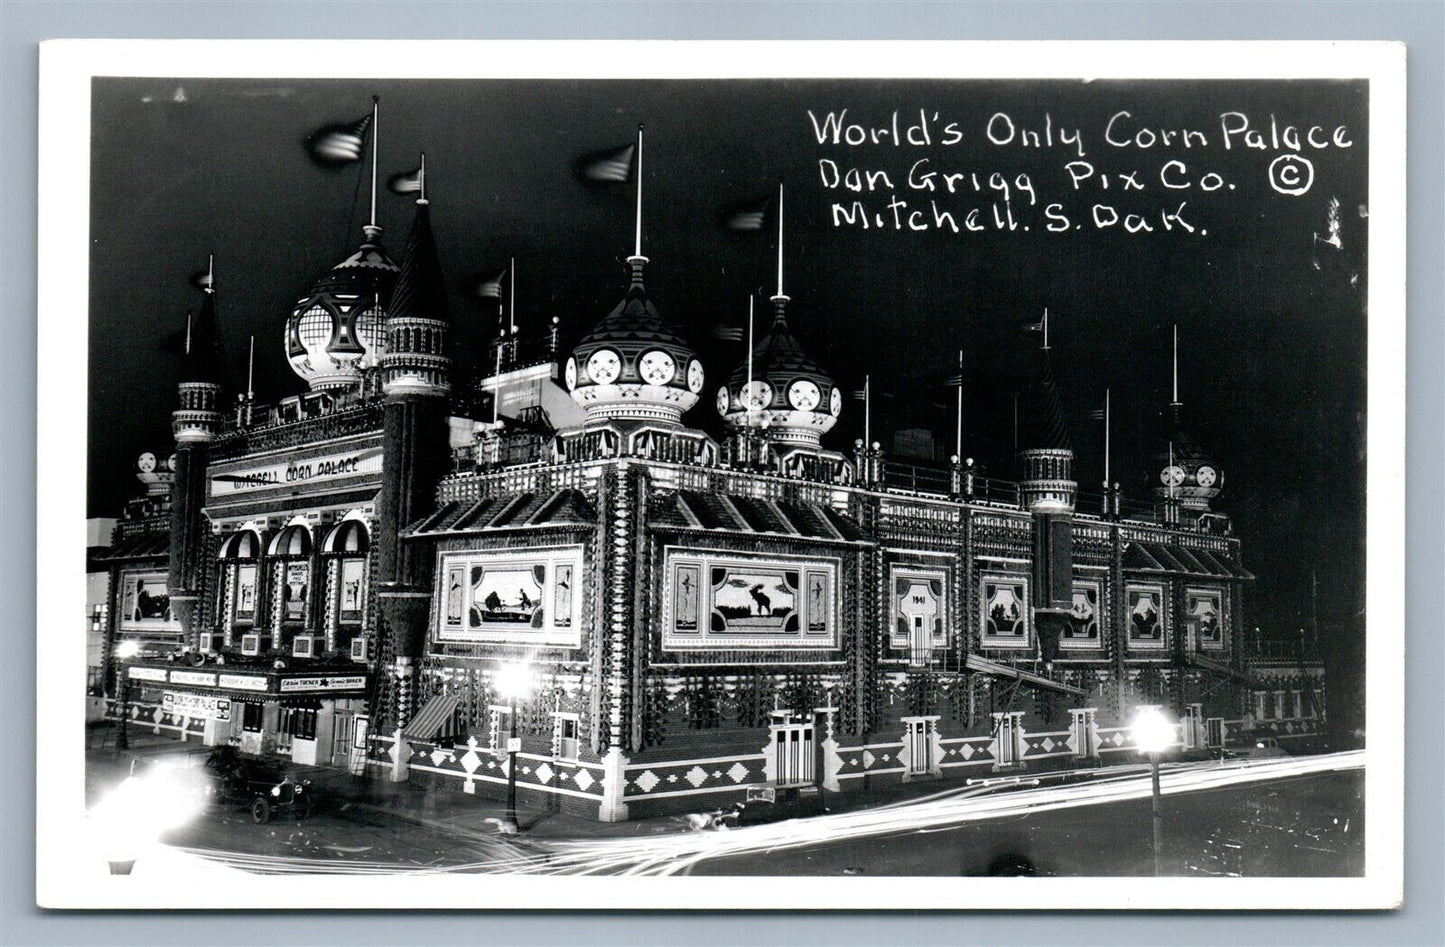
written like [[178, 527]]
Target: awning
[[1179, 560], [984, 666], [686, 509], [143, 546], [1220, 668], [555, 508], [429, 720]]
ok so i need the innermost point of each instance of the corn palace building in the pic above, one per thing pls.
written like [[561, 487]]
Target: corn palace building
[[347, 577]]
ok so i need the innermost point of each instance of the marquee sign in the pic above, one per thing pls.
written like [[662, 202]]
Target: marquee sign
[[294, 473], [146, 674], [242, 682], [290, 685], [197, 706]]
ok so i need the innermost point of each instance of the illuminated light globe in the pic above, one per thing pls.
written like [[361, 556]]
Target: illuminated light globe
[[1153, 732], [513, 680], [337, 330]]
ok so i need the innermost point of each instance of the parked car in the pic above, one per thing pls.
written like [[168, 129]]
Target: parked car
[[262, 786], [1260, 745], [774, 804]]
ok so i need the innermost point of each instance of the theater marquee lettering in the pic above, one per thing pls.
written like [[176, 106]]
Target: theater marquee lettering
[[297, 472]]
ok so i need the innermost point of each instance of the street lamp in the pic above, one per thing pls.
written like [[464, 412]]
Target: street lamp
[[1153, 734], [132, 817], [126, 650], [513, 682]]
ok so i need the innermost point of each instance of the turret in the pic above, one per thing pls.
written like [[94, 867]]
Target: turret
[[633, 366], [336, 331], [778, 391], [1048, 489], [195, 425], [1188, 477], [415, 378]]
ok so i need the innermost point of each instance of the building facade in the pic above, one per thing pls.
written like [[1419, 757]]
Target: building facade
[[349, 573]]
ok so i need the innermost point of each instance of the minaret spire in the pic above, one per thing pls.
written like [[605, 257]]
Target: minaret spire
[[371, 229], [637, 227]]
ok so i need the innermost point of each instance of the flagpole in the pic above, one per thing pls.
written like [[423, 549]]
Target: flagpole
[[375, 121], [1171, 470], [497, 386], [958, 431], [211, 273], [188, 332], [1175, 402], [1106, 443], [1046, 328], [868, 412], [748, 391], [251, 370], [512, 307], [637, 229], [780, 240], [421, 180]]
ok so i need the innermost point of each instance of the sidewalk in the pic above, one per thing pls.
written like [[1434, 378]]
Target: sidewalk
[[374, 795]]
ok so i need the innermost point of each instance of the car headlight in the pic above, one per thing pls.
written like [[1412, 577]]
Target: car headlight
[[275, 790]]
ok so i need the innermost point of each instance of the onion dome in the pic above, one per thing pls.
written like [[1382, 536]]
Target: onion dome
[[1188, 474], [781, 389], [337, 330], [633, 365]]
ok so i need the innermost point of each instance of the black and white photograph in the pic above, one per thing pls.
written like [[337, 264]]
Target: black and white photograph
[[896, 471]]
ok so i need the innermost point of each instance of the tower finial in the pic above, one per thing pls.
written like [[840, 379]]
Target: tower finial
[[637, 226], [780, 295], [1175, 401], [421, 181], [371, 228]]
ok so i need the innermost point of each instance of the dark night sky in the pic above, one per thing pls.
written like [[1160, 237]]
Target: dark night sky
[[1272, 345]]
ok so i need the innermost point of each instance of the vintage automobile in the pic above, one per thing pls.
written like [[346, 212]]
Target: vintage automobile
[[774, 804], [262, 786]]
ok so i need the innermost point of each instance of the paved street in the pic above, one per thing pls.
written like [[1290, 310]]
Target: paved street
[[1308, 825]]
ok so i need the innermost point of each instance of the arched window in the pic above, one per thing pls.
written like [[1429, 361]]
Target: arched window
[[292, 550], [244, 544], [346, 547], [349, 538], [238, 555], [291, 541]]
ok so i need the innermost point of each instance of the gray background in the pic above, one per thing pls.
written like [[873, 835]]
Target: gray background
[[1420, 25]]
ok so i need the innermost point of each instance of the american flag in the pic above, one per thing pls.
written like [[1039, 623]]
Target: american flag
[[609, 167], [489, 286], [407, 182], [339, 144], [727, 333]]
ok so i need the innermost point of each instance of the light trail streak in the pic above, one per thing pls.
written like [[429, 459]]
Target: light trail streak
[[679, 853]]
